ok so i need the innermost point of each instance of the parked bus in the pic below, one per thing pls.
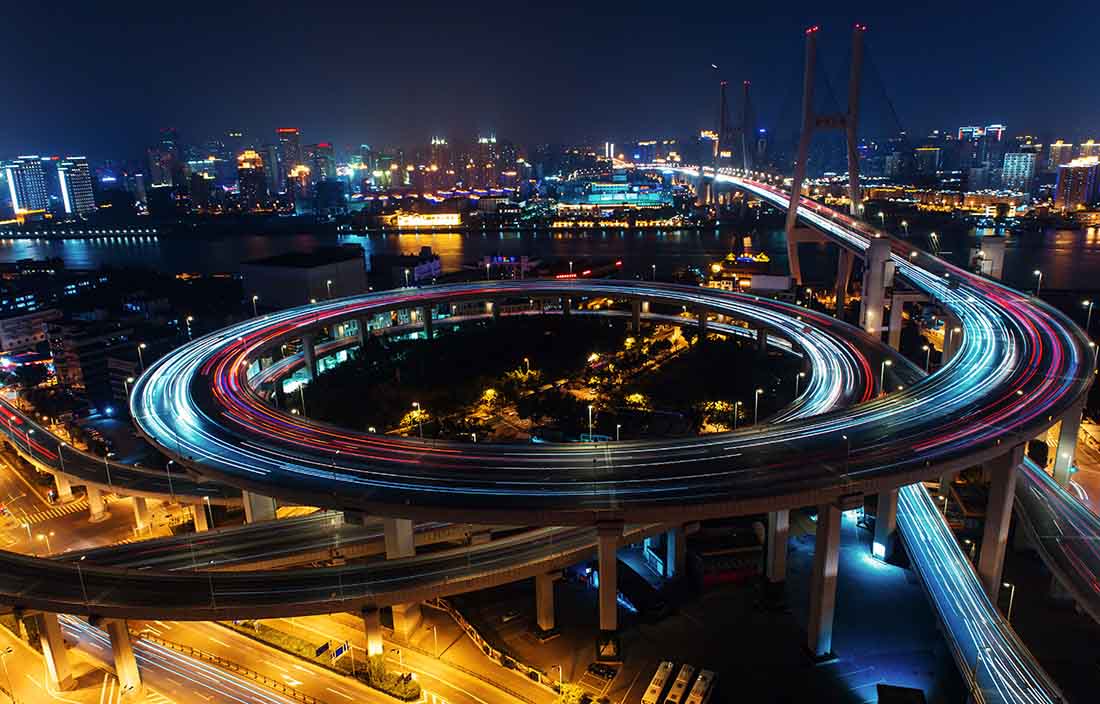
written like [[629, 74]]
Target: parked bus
[[658, 683], [702, 689], [679, 687]]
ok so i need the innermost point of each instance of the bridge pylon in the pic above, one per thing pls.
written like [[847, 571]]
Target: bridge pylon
[[848, 122]]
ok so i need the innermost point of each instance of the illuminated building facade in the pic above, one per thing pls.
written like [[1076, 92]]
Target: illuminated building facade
[[1018, 172], [75, 178], [1089, 148], [251, 180], [27, 184], [289, 142], [1060, 153], [1078, 185]]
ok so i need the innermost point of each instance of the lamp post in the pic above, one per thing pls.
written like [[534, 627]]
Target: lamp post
[[882, 376], [590, 422], [618, 427], [126, 385], [1039, 283], [736, 412], [190, 319], [1088, 320], [654, 268], [847, 451], [927, 357], [80, 576], [1011, 599], [799, 376], [419, 418], [255, 298], [61, 457], [560, 676], [882, 218], [756, 406], [107, 466], [46, 537], [905, 226], [141, 357], [168, 469], [487, 275], [302, 397], [328, 287], [406, 278]]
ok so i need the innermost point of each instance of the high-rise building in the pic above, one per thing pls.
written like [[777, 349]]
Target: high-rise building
[[322, 161], [289, 140], [1078, 183], [1089, 148], [27, 184], [251, 180], [928, 160], [1060, 153], [75, 178], [1018, 172]]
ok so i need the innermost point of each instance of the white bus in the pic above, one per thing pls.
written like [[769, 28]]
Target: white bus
[[702, 689], [680, 686], [658, 683]]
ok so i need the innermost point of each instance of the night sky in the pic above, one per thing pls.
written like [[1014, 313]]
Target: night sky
[[100, 78]]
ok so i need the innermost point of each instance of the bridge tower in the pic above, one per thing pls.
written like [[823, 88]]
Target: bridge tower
[[704, 192], [746, 130], [848, 122]]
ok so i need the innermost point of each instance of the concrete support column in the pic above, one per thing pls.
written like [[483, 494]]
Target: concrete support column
[[126, 668], [372, 624], [819, 636], [894, 336], [141, 513], [876, 272], [1067, 444], [608, 545], [310, 354], [96, 508], [58, 667], [406, 617], [399, 538], [64, 487], [843, 274], [544, 601], [361, 325], [675, 552], [886, 524], [257, 507], [566, 306], [202, 523], [761, 342], [426, 314], [636, 316], [993, 256], [702, 315], [775, 567], [494, 308], [998, 515], [952, 337]]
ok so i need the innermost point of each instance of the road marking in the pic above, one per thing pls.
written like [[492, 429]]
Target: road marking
[[336, 691], [220, 642], [276, 665], [303, 669]]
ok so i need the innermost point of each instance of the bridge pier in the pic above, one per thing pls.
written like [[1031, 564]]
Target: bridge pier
[[893, 336], [494, 308], [544, 601], [566, 305], [636, 316], [998, 515], [761, 342], [886, 524], [844, 262], [876, 277], [406, 617], [399, 538], [141, 513], [1067, 444], [309, 352], [58, 668], [364, 331], [257, 507], [675, 552], [775, 562], [126, 668], [426, 314], [702, 316], [608, 535], [819, 636], [96, 508], [952, 337], [64, 487], [372, 624], [202, 523]]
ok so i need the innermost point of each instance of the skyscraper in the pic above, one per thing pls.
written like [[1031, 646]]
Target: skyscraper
[[1018, 171], [27, 184], [1089, 148], [251, 180], [322, 161], [290, 150], [1078, 183], [75, 178], [1060, 153]]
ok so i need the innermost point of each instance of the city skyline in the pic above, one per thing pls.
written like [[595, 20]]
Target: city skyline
[[380, 77]]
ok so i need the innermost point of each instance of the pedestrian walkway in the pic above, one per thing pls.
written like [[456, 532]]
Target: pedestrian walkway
[[67, 509]]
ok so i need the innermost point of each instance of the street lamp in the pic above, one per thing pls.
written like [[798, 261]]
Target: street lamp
[[328, 286], [107, 466], [590, 422], [254, 299], [570, 266], [618, 427], [756, 406], [126, 385], [905, 226], [527, 364], [1088, 320], [141, 357], [1011, 600], [1039, 284], [654, 268], [560, 676], [927, 357], [487, 275], [190, 319], [882, 376], [406, 278], [46, 537], [419, 418], [882, 218], [800, 375], [736, 412]]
